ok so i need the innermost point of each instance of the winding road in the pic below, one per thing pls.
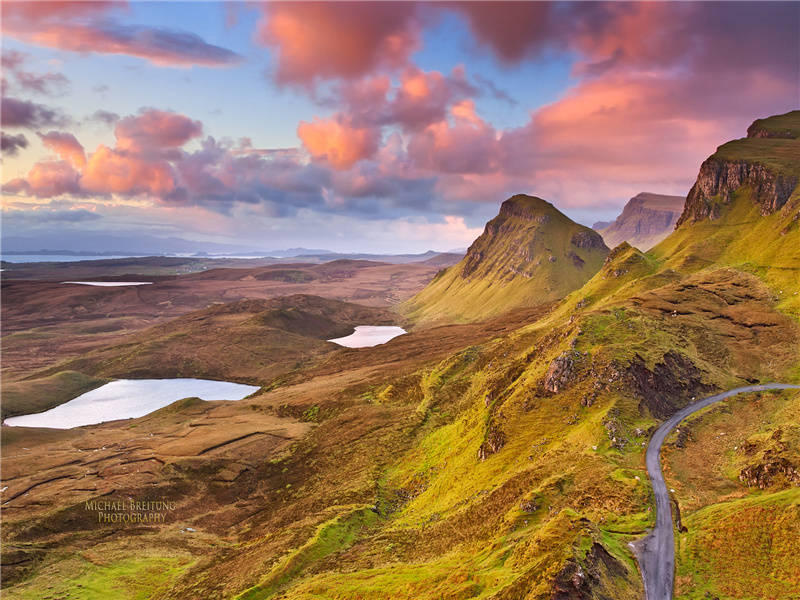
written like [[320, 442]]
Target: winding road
[[656, 551]]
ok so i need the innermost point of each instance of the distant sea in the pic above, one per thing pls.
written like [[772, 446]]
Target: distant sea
[[33, 258]]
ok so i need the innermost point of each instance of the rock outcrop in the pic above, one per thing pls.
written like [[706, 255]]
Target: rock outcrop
[[561, 372], [672, 383], [510, 241], [587, 581], [763, 474]]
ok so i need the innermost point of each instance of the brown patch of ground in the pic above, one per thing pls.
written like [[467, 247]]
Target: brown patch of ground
[[44, 322]]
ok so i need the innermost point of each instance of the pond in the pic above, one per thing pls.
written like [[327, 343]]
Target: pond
[[369, 335], [128, 399]]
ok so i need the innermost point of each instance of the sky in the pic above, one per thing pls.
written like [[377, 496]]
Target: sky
[[365, 127]]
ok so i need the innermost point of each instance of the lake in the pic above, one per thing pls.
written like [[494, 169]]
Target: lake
[[128, 399], [109, 283], [369, 335]]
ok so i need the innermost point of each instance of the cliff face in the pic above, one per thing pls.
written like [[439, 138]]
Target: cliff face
[[767, 162], [719, 178], [646, 220]]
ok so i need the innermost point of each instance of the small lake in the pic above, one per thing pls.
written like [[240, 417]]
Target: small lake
[[369, 335], [128, 399], [109, 283]]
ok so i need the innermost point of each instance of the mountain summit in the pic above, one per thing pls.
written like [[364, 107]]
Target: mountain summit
[[529, 254]]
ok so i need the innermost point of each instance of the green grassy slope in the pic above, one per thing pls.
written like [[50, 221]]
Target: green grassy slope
[[529, 254]]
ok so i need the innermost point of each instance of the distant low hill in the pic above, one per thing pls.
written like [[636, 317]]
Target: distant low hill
[[529, 254], [646, 220], [248, 340]]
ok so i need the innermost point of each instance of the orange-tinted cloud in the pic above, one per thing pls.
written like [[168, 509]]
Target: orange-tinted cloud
[[329, 40], [111, 171], [66, 146], [46, 10], [141, 162], [47, 179], [338, 143], [423, 97]]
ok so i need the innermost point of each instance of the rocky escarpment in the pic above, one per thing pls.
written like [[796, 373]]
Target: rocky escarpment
[[673, 382], [766, 162], [718, 179], [646, 220]]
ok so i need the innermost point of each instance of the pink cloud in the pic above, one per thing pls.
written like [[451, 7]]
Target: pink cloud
[[155, 129], [423, 97], [510, 29], [66, 146], [47, 179], [328, 40], [140, 163], [111, 171], [465, 144]]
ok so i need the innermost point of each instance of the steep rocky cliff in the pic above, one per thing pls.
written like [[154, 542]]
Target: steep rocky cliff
[[766, 162], [529, 254], [646, 220]]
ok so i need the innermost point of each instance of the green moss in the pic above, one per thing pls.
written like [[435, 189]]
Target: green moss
[[310, 414], [127, 579], [787, 124], [332, 536], [741, 237]]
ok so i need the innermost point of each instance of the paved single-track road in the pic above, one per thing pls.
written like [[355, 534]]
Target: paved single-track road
[[656, 552]]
